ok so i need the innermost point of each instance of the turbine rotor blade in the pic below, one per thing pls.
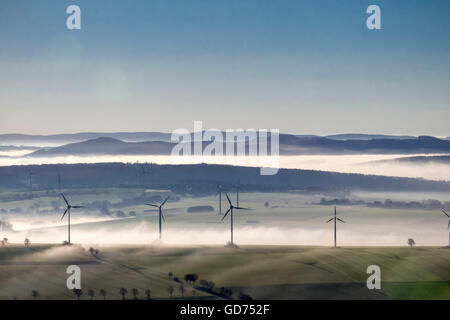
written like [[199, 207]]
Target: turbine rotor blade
[[228, 198], [445, 213], [77, 207], [341, 220], [65, 200], [64, 213], [226, 214], [164, 201], [152, 205], [329, 220], [162, 216], [240, 208]]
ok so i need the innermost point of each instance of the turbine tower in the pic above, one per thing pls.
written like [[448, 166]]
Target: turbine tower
[[161, 216], [219, 192], [448, 226], [230, 210], [144, 181], [69, 206], [335, 218], [30, 179], [238, 184]]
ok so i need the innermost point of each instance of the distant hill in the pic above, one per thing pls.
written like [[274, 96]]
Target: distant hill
[[320, 145], [289, 145], [106, 146], [359, 136], [17, 148], [201, 178], [419, 159], [60, 139]]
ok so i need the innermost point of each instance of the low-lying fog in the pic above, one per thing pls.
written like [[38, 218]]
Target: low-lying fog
[[278, 226], [364, 164], [145, 234]]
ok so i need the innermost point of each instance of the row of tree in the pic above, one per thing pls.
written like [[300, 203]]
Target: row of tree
[[102, 292]]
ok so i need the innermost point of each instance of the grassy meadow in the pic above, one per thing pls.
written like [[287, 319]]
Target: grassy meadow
[[262, 272]]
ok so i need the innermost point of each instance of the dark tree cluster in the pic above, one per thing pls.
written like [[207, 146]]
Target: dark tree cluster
[[389, 204], [191, 278]]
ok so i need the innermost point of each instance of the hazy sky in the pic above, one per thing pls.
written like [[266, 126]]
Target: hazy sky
[[157, 65]]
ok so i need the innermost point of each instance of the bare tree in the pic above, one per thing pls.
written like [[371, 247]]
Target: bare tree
[[103, 293], [123, 292], [135, 293], [35, 294], [78, 293], [148, 294], [91, 294]]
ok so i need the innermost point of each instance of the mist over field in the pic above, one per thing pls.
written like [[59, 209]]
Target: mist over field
[[282, 224], [142, 234]]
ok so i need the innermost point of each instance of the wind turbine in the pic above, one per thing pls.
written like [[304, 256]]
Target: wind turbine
[[143, 174], [231, 217], [30, 178], [161, 216], [335, 220], [69, 206], [448, 226], [219, 192]]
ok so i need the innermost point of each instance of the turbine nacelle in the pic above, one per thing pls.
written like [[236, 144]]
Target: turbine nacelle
[[69, 206], [159, 207], [335, 218], [232, 207]]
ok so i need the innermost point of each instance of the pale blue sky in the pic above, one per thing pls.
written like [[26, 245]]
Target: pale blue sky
[[300, 66]]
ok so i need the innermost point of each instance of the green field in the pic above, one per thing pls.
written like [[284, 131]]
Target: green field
[[262, 272], [283, 252]]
